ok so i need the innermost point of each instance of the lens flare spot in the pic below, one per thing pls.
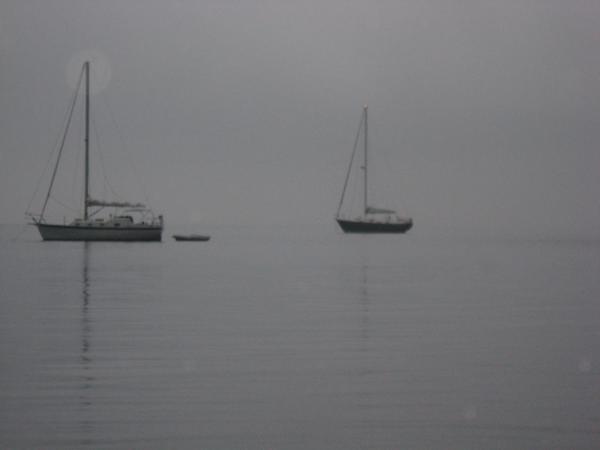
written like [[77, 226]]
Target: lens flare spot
[[470, 413], [585, 365]]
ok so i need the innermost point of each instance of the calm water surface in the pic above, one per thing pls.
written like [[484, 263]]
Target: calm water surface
[[300, 338]]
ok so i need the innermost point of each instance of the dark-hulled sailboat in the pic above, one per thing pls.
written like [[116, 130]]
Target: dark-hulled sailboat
[[372, 219], [120, 226]]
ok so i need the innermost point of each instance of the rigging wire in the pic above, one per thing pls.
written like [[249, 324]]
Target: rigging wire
[[124, 147], [78, 198], [356, 191], [358, 134], [65, 121], [62, 145], [99, 152], [64, 205]]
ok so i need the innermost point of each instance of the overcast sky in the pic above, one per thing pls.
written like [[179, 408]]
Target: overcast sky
[[482, 113]]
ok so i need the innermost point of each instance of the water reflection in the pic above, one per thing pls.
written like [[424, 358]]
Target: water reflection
[[86, 361], [86, 325], [364, 302]]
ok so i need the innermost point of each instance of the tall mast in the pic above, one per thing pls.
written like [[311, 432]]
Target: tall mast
[[365, 162], [86, 194]]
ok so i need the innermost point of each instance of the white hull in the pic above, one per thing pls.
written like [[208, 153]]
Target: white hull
[[92, 227], [138, 232]]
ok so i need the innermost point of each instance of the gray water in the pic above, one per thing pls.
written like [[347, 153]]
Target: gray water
[[300, 338]]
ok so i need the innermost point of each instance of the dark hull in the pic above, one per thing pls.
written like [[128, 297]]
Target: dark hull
[[354, 226], [146, 233], [193, 237]]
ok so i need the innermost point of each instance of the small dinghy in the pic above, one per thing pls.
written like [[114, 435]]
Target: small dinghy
[[191, 237]]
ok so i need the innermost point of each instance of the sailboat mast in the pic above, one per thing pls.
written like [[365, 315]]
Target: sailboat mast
[[366, 159], [86, 194]]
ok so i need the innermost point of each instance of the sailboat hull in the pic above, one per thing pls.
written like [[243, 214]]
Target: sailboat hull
[[357, 226], [54, 232]]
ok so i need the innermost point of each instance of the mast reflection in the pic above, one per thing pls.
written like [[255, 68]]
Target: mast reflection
[[364, 301], [86, 326], [87, 379]]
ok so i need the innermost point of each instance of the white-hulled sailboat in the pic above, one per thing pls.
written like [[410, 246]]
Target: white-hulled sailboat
[[121, 226]]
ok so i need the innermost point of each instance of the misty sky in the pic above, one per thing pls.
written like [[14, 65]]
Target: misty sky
[[482, 113]]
